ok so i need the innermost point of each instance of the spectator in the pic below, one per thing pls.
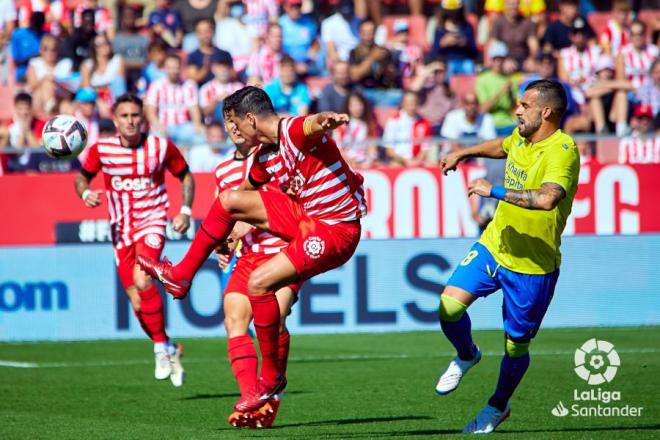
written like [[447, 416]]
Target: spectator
[[649, 93], [577, 62], [191, 11], [46, 75], [215, 91], [607, 97], [454, 40], [103, 21], [104, 71], [7, 25], [77, 46], [534, 10], [199, 62], [643, 144], [171, 106], [333, 96], [25, 44], [405, 133], [24, 129], [299, 34], [406, 56], [496, 90], [265, 62], [260, 14], [85, 111], [557, 35], [339, 32], [166, 24], [289, 95], [131, 45], [106, 128], [57, 17], [517, 32], [546, 68], [633, 62], [615, 35], [351, 137], [433, 90], [233, 35], [372, 67], [204, 158], [155, 68], [468, 121]]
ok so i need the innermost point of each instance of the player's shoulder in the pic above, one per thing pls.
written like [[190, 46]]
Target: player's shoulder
[[109, 141], [564, 148]]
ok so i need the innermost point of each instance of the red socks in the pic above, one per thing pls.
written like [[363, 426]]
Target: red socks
[[243, 361], [283, 351], [151, 314], [216, 227], [266, 313]]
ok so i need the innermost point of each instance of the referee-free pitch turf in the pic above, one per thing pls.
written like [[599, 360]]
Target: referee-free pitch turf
[[357, 386]]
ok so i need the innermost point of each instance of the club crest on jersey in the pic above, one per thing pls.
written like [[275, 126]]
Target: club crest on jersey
[[153, 240], [314, 247], [297, 182]]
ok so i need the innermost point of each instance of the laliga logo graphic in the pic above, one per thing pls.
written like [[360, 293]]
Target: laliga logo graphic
[[596, 362], [314, 247]]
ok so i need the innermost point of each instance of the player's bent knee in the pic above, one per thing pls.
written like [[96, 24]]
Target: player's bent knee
[[516, 347], [257, 284], [451, 309], [236, 325]]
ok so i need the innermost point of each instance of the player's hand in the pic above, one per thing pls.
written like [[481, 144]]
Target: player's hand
[[450, 161], [181, 223], [239, 231], [333, 120], [93, 198], [480, 187]]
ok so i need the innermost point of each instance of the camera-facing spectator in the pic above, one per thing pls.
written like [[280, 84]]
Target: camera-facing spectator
[[351, 137], [339, 32], [166, 23], [105, 72], [433, 90], [333, 96], [643, 144], [405, 134], [517, 32], [24, 129], [615, 34], [155, 67], [454, 40], [468, 121], [171, 106], [289, 94], [299, 34], [635, 58], [607, 97], [234, 35], [25, 44], [215, 91], [191, 11], [557, 35], [577, 63], [57, 15], [103, 20], [264, 63], [200, 61], [46, 75], [406, 56], [649, 93], [131, 45], [78, 45]]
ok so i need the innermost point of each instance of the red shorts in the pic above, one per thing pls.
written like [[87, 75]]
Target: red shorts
[[150, 245], [238, 280], [314, 246]]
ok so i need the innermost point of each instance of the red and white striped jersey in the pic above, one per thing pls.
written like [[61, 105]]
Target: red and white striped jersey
[[636, 149], [350, 137], [580, 66], [638, 63], [259, 12], [214, 91], [102, 18], [135, 184], [613, 37], [172, 100], [56, 14], [264, 64], [229, 174], [314, 171]]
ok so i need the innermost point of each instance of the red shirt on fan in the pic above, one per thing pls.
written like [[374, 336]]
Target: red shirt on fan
[[229, 174], [135, 184], [313, 170]]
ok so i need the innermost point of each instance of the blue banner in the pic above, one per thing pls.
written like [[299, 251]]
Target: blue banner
[[71, 292]]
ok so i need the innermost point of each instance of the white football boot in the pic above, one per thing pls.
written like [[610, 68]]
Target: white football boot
[[163, 367], [452, 376], [487, 420], [178, 374]]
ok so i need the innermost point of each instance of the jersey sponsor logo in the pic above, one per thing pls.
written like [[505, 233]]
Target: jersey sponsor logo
[[131, 183], [153, 240], [314, 247]]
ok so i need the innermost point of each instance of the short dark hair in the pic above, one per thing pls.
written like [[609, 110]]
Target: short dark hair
[[174, 56], [287, 59], [23, 97], [204, 19], [127, 97], [551, 94], [249, 99]]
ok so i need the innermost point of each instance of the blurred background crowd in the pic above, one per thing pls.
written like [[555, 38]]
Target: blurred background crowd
[[417, 77]]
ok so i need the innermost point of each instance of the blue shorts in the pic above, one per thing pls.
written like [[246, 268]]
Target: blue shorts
[[526, 297]]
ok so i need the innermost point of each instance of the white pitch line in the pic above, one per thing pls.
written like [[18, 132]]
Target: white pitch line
[[339, 357]]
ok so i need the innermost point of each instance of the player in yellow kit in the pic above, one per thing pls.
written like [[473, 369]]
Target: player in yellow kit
[[519, 250]]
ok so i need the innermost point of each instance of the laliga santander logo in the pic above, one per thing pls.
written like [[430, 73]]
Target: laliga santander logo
[[596, 362], [314, 247]]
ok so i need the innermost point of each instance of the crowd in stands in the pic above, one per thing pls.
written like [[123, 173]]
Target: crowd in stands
[[408, 72]]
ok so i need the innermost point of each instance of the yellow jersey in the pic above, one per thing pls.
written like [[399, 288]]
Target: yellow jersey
[[525, 240], [527, 7]]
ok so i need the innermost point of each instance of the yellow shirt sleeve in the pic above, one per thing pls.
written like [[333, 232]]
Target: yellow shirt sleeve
[[509, 140], [563, 165]]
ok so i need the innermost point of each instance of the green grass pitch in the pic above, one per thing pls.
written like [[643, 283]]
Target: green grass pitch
[[340, 387]]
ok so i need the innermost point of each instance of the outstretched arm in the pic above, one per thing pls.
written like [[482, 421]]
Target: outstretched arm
[[546, 198], [323, 122], [492, 149]]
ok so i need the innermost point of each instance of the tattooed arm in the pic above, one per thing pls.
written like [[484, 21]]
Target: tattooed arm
[[546, 198]]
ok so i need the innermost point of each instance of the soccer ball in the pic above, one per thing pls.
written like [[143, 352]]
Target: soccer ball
[[64, 137]]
